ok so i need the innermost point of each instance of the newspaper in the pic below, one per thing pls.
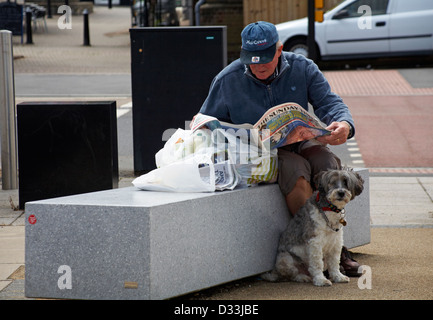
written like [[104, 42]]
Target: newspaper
[[226, 176], [281, 125]]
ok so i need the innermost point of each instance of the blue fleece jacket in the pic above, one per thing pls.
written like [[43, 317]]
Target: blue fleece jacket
[[238, 97]]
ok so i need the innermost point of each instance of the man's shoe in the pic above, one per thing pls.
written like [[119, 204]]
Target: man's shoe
[[349, 265]]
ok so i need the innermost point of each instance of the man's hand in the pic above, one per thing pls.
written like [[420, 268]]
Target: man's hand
[[339, 134]]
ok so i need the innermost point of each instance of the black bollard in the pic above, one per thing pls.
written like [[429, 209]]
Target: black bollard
[[49, 14], [110, 4], [86, 28], [29, 26]]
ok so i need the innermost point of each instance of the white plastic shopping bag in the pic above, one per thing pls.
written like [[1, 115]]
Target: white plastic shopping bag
[[193, 174], [183, 144], [210, 157]]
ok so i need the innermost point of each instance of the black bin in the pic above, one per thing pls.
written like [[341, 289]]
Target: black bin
[[171, 71], [66, 148]]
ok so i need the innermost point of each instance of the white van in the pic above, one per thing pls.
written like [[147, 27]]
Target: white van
[[366, 29]]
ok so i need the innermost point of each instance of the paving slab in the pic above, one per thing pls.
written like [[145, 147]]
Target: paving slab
[[12, 249], [401, 201], [418, 78], [388, 130], [73, 85], [399, 264], [61, 51]]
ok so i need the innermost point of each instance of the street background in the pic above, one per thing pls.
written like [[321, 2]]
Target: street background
[[392, 112]]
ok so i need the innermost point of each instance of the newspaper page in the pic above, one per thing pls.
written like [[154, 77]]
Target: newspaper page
[[200, 120], [281, 125], [288, 123]]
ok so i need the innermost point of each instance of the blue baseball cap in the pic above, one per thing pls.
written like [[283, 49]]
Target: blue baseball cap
[[258, 43]]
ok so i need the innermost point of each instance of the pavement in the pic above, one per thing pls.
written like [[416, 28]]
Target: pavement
[[390, 123]]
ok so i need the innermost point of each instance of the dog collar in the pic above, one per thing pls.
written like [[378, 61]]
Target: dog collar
[[331, 208]]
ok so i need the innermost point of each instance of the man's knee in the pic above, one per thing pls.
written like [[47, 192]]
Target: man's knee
[[302, 185], [326, 160], [300, 193]]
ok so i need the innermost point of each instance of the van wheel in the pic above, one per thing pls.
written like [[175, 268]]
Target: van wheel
[[298, 46]]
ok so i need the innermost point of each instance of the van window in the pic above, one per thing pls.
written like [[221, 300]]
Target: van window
[[414, 5], [377, 7]]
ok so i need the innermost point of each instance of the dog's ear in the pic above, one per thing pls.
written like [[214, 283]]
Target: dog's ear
[[358, 184], [318, 179]]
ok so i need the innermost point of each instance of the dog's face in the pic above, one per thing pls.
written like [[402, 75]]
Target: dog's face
[[339, 186]]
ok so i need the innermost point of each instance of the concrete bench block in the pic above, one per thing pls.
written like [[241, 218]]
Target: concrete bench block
[[357, 230], [131, 244]]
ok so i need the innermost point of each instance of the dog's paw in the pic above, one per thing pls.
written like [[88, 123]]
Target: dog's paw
[[302, 278], [270, 276], [340, 278], [322, 282]]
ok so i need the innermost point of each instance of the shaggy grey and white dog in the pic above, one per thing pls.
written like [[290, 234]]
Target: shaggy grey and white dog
[[313, 238]]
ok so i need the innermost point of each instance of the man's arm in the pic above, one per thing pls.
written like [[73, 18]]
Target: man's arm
[[214, 104], [329, 107]]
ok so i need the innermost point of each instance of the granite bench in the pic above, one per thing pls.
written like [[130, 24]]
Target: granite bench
[[131, 244]]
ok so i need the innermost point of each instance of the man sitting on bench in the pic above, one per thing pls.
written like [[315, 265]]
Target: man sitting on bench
[[264, 77]]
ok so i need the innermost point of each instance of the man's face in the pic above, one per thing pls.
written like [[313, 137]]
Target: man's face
[[264, 71]]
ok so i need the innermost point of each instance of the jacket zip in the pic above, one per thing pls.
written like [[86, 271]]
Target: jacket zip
[[271, 96], [268, 86]]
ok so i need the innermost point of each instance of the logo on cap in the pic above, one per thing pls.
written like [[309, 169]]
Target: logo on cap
[[257, 42], [255, 59]]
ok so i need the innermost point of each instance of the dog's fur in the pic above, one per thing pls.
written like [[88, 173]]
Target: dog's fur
[[310, 243]]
